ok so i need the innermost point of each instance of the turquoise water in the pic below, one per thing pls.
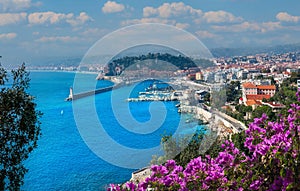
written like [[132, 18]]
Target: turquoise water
[[62, 160]]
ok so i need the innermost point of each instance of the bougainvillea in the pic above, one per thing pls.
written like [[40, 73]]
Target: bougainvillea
[[273, 162]]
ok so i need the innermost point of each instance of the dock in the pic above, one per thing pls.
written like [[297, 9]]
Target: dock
[[155, 98]]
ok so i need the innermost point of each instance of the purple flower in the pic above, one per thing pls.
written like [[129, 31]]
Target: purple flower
[[113, 187], [264, 140], [263, 149], [131, 186], [170, 165], [142, 186], [248, 142], [298, 95], [255, 185]]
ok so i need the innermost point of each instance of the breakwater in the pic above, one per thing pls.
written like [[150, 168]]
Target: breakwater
[[73, 96], [118, 84], [90, 93]]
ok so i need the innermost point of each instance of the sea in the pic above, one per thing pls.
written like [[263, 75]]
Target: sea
[[65, 159]]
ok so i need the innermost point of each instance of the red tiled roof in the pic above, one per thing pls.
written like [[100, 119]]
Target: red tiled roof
[[249, 85], [252, 102], [258, 97], [266, 87]]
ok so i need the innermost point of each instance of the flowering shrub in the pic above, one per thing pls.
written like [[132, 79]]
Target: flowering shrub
[[273, 162]]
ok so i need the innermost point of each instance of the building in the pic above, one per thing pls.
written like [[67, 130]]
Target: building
[[266, 90], [249, 88], [199, 76], [243, 74], [209, 77], [254, 94]]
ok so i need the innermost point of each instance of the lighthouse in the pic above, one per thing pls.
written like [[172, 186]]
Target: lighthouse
[[70, 98]]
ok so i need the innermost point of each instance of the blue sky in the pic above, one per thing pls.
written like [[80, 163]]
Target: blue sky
[[31, 30]]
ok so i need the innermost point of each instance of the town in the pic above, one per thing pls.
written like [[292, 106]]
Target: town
[[251, 81]]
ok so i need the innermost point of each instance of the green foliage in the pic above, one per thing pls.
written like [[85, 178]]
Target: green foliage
[[233, 92], [206, 98], [185, 148], [264, 109], [214, 147], [238, 139], [19, 127], [286, 94], [243, 109], [191, 150], [240, 112], [294, 77], [218, 98], [181, 62]]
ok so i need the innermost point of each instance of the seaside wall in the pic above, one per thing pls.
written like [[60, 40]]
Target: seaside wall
[[219, 117], [226, 123], [204, 114]]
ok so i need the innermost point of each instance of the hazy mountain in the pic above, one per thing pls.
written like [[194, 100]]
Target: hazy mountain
[[244, 51]]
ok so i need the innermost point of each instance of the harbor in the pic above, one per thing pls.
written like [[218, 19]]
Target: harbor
[[155, 96], [161, 91]]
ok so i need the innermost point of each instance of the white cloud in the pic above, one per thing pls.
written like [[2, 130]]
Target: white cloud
[[205, 34], [182, 25], [79, 20], [57, 39], [48, 17], [6, 36], [155, 20], [112, 7], [220, 17], [242, 27], [11, 18], [16, 5], [270, 26], [148, 20], [285, 17], [54, 18], [249, 26], [167, 10], [179, 9], [149, 11]]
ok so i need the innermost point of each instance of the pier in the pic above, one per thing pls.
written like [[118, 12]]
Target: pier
[[118, 84], [73, 96]]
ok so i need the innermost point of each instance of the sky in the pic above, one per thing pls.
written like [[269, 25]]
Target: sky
[[32, 30]]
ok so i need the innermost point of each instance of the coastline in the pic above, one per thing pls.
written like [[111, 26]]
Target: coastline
[[65, 71]]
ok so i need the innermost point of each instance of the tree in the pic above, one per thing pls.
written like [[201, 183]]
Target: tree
[[264, 109], [218, 98], [232, 91], [19, 127], [184, 148], [239, 139]]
